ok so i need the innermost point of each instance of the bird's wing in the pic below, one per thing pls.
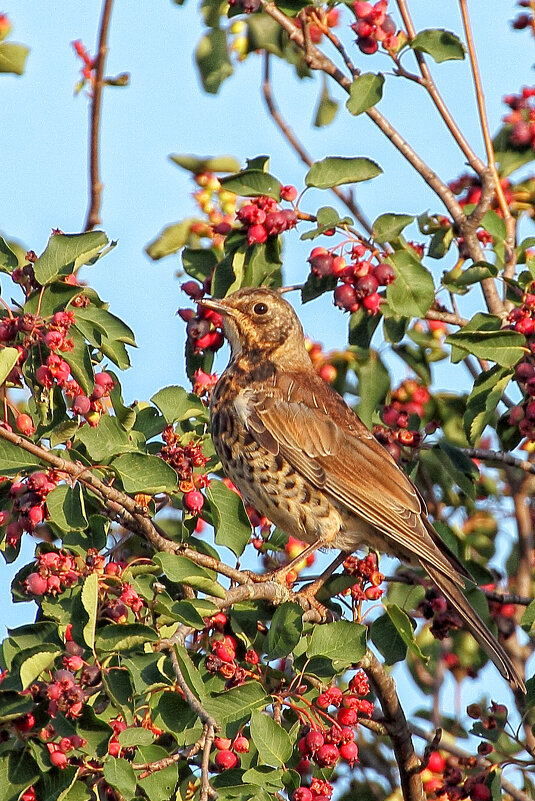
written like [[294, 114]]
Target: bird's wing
[[315, 430]]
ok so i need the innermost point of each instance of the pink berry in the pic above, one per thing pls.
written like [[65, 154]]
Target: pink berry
[[241, 744], [81, 405], [345, 298], [25, 424], [302, 794], [327, 755], [105, 380], [36, 584], [256, 235], [35, 515], [372, 303], [194, 501], [314, 740], [349, 752], [59, 759], [225, 760], [288, 193], [384, 274]]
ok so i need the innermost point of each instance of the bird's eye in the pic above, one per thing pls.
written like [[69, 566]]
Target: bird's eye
[[260, 308]]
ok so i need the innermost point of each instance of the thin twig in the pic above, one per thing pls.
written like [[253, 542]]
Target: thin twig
[[95, 186], [446, 317]]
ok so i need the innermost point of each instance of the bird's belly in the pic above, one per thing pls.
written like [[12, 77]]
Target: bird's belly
[[275, 489]]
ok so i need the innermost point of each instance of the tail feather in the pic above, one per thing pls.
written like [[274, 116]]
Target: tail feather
[[476, 626]]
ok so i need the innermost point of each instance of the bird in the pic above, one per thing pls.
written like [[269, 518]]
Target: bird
[[302, 457]]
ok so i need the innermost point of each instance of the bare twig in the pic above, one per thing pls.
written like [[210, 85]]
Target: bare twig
[[293, 141], [95, 186], [500, 457], [397, 727], [446, 317]]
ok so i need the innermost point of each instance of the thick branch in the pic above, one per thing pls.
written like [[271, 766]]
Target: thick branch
[[95, 186], [397, 727]]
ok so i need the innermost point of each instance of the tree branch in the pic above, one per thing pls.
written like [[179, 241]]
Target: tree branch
[[95, 186], [397, 727]]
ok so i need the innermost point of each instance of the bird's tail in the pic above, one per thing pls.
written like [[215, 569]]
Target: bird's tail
[[478, 629]]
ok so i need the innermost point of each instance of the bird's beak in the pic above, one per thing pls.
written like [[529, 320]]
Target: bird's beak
[[217, 305]]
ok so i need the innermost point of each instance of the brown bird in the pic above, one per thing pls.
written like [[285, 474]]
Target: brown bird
[[303, 458]]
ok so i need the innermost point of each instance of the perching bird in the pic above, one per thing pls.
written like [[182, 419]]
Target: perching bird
[[304, 459]]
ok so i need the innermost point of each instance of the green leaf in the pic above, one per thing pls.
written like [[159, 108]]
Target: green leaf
[[365, 92], [65, 253], [527, 620], [213, 60], [124, 637], [160, 785], [413, 291], [107, 439], [232, 526], [483, 400], [441, 45], [111, 326], [475, 273], [182, 570], [341, 642], [18, 771], [135, 735], [191, 674], [199, 262], [337, 170], [494, 224], [8, 259], [32, 667], [120, 774], [8, 359], [405, 629], [387, 640], [200, 164], [285, 630], [176, 405], [169, 240], [315, 286], [140, 472], [483, 337], [237, 704], [252, 183], [79, 360], [389, 226], [66, 507], [13, 57], [271, 740], [327, 218], [374, 383], [326, 109], [13, 459], [89, 598], [458, 466]]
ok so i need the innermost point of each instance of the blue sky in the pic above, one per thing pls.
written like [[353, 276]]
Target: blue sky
[[44, 144]]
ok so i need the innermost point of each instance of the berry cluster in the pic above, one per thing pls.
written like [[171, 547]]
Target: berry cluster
[[521, 117], [227, 751], [408, 402], [374, 25], [262, 218], [223, 658], [522, 318], [360, 278], [184, 459], [203, 383], [435, 607], [503, 614], [292, 550], [368, 578], [524, 19], [219, 207], [523, 415], [319, 22], [58, 751], [55, 572], [116, 609], [203, 327], [321, 361], [28, 508], [443, 777]]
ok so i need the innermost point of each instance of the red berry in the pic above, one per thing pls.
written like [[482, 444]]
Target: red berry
[[35, 584], [252, 657], [345, 298], [366, 286], [256, 235], [25, 424], [436, 762], [194, 501], [225, 760], [524, 371], [384, 273], [302, 794], [349, 752], [288, 192], [321, 264], [35, 515], [314, 740], [59, 759], [367, 45], [81, 405], [104, 380], [53, 339], [480, 792], [193, 290], [346, 717], [372, 303], [363, 9], [327, 755], [525, 326], [241, 744]]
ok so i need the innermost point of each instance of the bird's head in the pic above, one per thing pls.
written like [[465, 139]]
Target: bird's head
[[259, 323]]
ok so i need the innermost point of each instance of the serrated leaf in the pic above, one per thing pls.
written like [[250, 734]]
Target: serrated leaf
[[389, 226], [18, 771], [66, 507], [285, 630], [341, 642], [388, 640], [176, 405], [199, 164], [141, 472], [440, 44], [365, 92], [13, 459], [232, 526], [252, 183], [483, 337], [135, 735], [124, 637], [238, 703], [13, 57], [8, 359], [107, 439], [338, 170], [182, 570], [67, 252], [111, 326], [271, 740], [89, 598], [8, 259], [404, 628], [459, 467], [170, 239], [32, 667], [412, 292], [120, 774], [481, 405]]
